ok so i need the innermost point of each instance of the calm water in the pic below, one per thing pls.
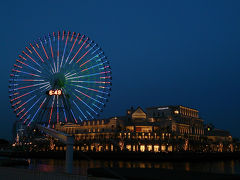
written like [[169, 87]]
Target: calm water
[[81, 166]]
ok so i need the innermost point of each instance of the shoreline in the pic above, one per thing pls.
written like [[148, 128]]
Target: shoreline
[[173, 156]]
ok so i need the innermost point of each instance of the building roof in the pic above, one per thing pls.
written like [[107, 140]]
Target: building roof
[[171, 106]]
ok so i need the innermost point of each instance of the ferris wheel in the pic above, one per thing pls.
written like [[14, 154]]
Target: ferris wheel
[[61, 77]]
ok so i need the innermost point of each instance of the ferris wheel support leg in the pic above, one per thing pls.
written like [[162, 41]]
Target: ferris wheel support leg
[[69, 158]]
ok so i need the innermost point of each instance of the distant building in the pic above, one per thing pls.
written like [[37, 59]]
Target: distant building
[[18, 131], [218, 138]]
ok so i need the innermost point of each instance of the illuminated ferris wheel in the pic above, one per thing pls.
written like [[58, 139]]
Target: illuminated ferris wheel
[[62, 77]]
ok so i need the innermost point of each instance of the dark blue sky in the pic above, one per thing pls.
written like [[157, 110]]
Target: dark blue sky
[[161, 52]]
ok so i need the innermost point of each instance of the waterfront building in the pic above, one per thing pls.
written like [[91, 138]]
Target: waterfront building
[[158, 129]]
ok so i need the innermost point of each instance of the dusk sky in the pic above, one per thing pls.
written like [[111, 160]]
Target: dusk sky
[[161, 52]]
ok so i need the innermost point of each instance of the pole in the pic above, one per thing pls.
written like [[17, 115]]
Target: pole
[[69, 154]]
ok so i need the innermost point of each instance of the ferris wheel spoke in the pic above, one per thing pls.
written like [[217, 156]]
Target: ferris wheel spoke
[[57, 111], [14, 94], [89, 75], [51, 48], [97, 65], [27, 80], [84, 63], [15, 65], [79, 48], [33, 85], [44, 49], [27, 118], [104, 87], [37, 110], [74, 116], [22, 95], [90, 114], [105, 77], [51, 111], [31, 58], [36, 52], [89, 97], [80, 110], [58, 51], [20, 111], [44, 86], [85, 103], [92, 59], [72, 46], [48, 71], [28, 66], [64, 112], [96, 106], [95, 50], [95, 90], [86, 53], [31, 106], [24, 103], [23, 115], [69, 75], [16, 103], [99, 82], [51, 70], [27, 93], [13, 85], [64, 49], [101, 97]]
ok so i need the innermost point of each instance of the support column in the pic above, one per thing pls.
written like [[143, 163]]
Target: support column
[[69, 158]]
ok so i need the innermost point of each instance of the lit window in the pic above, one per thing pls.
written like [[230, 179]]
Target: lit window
[[129, 147], [149, 147], [142, 148], [156, 148], [163, 148]]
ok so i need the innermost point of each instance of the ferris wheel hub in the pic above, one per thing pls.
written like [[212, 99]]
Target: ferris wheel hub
[[58, 80]]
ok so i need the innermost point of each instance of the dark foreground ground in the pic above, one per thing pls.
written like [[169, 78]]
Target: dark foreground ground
[[153, 174], [9, 173]]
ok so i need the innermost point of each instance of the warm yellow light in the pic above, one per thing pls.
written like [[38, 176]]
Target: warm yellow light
[[142, 148], [176, 112]]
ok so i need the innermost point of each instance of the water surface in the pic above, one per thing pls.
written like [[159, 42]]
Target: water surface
[[81, 166]]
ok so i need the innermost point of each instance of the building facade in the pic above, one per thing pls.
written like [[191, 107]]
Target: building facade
[[158, 129]]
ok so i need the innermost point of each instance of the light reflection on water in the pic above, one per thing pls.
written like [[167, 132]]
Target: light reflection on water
[[81, 166]]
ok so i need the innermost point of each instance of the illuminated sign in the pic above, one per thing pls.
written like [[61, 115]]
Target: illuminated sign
[[56, 92], [162, 108]]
